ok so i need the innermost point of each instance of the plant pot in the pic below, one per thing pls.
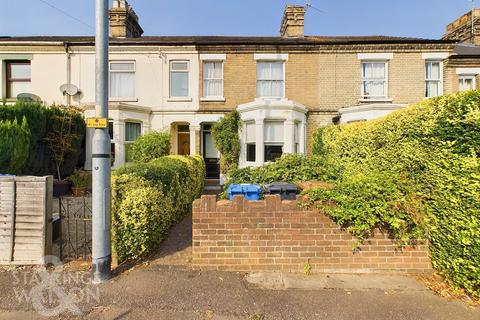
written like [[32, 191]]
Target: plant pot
[[61, 188], [78, 192]]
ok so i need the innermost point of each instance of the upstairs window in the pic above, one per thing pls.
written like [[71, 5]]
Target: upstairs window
[[122, 80], [466, 83], [432, 79], [18, 78], [270, 79], [179, 79], [374, 80], [212, 79]]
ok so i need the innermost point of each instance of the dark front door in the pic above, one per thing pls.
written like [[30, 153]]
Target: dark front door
[[210, 154]]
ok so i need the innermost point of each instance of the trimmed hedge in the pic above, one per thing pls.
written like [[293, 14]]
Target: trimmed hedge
[[150, 146], [147, 198], [14, 145], [41, 120], [413, 172]]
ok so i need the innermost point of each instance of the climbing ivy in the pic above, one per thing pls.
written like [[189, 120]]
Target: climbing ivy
[[227, 140]]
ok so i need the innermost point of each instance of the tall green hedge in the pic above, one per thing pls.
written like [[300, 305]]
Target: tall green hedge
[[150, 146], [148, 197], [414, 172], [42, 119], [14, 145]]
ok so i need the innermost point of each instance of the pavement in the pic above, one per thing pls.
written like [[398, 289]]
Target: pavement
[[166, 287]]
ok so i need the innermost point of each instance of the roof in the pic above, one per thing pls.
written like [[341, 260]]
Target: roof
[[227, 40]]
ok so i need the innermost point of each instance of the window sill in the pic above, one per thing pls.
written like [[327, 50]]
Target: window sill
[[213, 99], [375, 100], [123, 99], [179, 99]]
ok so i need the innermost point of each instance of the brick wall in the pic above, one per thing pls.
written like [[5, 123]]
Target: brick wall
[[271, 234]]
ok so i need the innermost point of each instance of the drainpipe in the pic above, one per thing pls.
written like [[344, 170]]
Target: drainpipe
[[69, 71]]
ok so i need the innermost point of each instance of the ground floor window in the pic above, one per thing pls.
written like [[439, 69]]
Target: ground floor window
[[133, 130], [466, 83], [251, 148], [273, 136], [250, 141]]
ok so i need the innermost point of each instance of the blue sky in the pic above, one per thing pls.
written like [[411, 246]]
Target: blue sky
[[418, 18]]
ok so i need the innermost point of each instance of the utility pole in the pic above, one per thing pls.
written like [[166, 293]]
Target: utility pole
[[101, 194]]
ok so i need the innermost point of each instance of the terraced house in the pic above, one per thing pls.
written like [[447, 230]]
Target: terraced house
[[283, 87]]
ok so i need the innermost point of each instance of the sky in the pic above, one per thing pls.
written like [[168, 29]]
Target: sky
[[412, 18]]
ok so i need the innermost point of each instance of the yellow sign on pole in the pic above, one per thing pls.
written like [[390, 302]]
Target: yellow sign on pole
[[98, 123]]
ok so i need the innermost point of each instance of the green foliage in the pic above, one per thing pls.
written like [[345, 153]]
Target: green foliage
[[14, 145], [147, 198], [150, 146], [416, 170], [226, 138], [80, 179], [42, 120], [289, 168]]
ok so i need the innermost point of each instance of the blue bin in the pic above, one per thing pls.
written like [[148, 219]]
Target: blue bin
[[249, 191]]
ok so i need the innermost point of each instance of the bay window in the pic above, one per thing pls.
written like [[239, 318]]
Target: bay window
[[179, 79], [133, 130], [433, 79], [122, 79], [18, 78], [466, 82], [374, 80], [250, 144], [213, 79], [274, 137], [270, 79]]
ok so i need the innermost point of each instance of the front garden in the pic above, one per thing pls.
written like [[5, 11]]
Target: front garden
[[414, 173]]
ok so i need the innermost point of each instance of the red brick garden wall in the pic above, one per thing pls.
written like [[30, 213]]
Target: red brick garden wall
[[272, 235]]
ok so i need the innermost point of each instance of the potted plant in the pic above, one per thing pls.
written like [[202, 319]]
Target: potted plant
[[79, 180], [60, 140]]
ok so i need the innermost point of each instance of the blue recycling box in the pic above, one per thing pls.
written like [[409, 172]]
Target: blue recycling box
[[249, 191]]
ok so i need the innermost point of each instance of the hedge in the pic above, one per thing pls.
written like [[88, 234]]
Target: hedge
[[150, 146], [14, 145], [413, 172], [41, 119], [225, 134], [147, 198]]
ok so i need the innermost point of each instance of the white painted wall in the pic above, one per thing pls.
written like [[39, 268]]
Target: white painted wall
[[367, 112]]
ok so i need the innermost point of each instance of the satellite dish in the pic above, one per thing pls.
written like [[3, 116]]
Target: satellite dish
[[28, 97], [69, 89]]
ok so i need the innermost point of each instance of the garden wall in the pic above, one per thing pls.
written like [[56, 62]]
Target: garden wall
[[274, 235]]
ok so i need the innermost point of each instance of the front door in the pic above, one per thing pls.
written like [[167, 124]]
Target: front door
[[210, 154]]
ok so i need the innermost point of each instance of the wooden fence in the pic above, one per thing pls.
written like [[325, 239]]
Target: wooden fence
[[25, 219]]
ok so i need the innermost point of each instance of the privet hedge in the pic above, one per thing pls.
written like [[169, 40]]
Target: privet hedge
[[414, 172], [148, 197], [150, 146], [14, 145], [41, 120]]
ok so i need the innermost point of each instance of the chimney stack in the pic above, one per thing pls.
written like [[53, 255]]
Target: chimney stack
[[465, 29], [124, 21], [293, 21]]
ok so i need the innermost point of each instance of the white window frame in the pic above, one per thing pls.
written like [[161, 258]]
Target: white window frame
[[283, 81], [365, 97], [208, 97], [248, 142], [129, 142], [272, 143], [170, 71], [115, 98], [463, 77], [440, 80]]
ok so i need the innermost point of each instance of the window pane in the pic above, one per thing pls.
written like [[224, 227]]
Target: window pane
[[374, 88], [132, 131], [122, 84], [179, 84], [433, 70], [180, 66], [250, 132], [213, 88], [296, 132], [272, 153], [432, 89], [15, 88], [273, 131], [263, 71], [251, 152], [277, 70], [122, 66], [210, 149], [19, 71], [373, 70], [466, 84]]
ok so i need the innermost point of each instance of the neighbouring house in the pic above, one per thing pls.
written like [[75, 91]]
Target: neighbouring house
[[284, 87]]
